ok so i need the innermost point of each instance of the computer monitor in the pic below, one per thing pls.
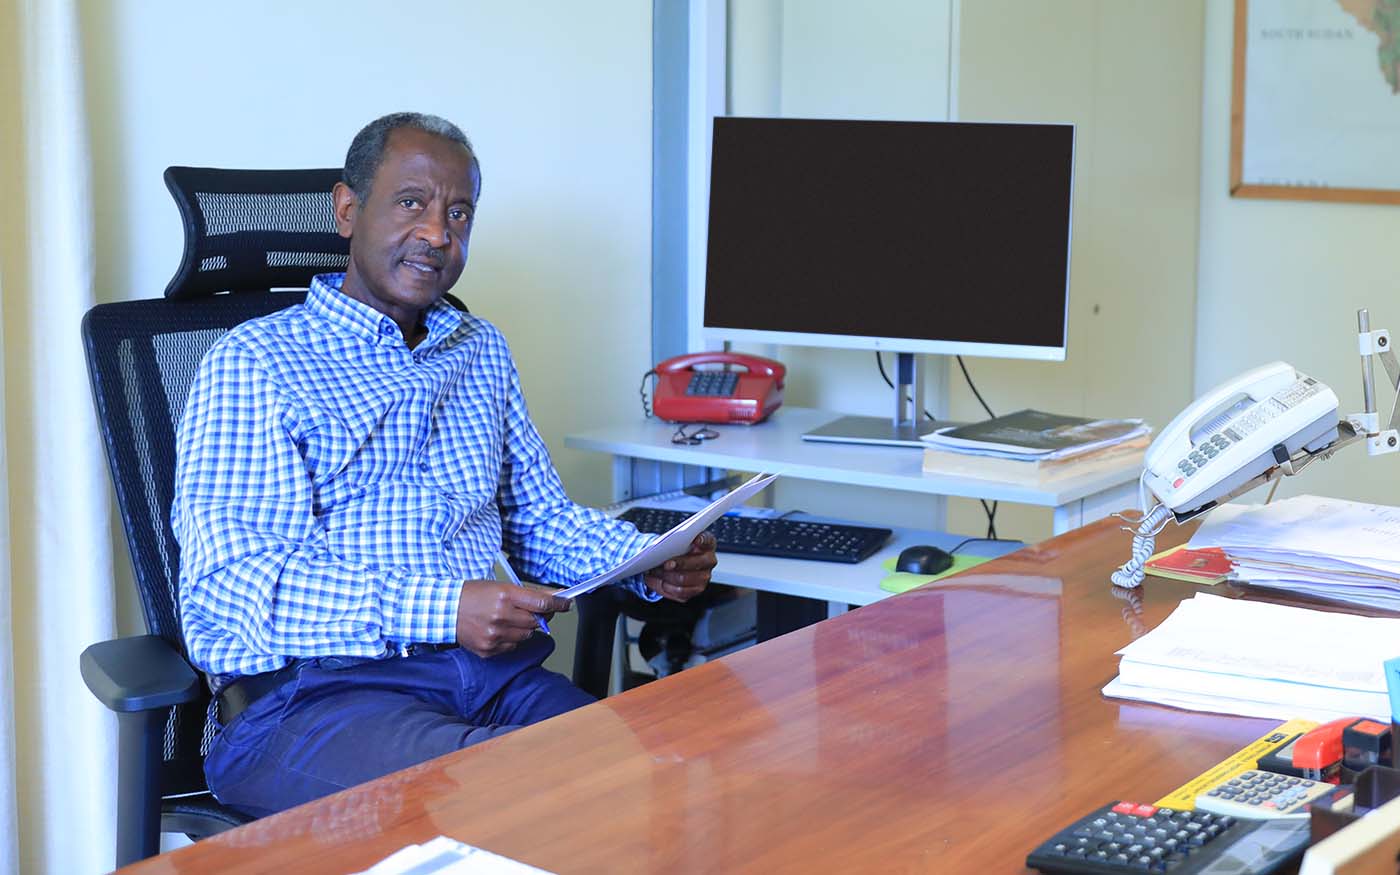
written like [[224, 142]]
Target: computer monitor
[[908, 237]]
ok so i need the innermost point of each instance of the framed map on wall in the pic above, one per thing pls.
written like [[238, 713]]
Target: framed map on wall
[[1315, 113]]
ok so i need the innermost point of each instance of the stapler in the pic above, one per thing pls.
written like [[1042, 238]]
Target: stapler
[[1333, 751]]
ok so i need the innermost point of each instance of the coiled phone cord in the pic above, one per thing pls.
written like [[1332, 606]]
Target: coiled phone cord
[[1144, 545], [646, 408]]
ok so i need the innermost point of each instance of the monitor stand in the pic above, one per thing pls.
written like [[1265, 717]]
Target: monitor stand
[[897, 431]]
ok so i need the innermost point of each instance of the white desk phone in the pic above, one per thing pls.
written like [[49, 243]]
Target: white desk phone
[[1269, 422], [1237, 431]]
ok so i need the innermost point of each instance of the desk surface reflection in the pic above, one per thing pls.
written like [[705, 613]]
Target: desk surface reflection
[[896, 738]]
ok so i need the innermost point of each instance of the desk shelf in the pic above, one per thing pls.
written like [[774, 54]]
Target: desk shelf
[[777, 445]]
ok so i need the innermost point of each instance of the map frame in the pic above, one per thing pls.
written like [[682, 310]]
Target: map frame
[[1238, 188]]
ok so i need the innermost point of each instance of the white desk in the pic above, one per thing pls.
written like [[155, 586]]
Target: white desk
[[777, 445]]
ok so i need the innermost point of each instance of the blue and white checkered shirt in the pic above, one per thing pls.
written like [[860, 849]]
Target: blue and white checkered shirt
[[334, 488]]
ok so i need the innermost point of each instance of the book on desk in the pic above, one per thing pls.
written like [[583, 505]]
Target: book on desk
[[1032, 446], [1128, 454]]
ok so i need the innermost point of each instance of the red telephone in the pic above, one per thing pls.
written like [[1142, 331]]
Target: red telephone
[[686, 393]]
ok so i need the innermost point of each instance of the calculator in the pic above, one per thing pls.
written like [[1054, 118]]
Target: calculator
[[1124, 837], [1257, 794]]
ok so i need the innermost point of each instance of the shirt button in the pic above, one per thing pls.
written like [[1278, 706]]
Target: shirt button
[[386, 329]]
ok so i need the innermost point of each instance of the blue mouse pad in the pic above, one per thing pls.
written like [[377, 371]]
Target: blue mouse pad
[[900, 581]]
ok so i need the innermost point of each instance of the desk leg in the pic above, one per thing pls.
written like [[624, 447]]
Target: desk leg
[[637, 478], [781, 614], [622, 477], [1068, 516], [1095, 507]]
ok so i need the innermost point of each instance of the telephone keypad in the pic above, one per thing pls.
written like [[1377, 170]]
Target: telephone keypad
[[1259, 414], [711, 384], [1297, 392]]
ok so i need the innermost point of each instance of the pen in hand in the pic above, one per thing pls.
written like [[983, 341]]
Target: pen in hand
[[515, 579]]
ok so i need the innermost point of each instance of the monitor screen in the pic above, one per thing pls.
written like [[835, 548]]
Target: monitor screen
[[924, 237]]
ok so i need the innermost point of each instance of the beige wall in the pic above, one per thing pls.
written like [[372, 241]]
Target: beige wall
[[1283, 280], [1127, 73], [555, 95], [833, 59]]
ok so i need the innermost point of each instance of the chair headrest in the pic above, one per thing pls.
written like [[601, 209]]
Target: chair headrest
[[254, 230]]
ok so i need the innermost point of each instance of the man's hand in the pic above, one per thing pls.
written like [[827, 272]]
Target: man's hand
[[494, 617], [685, 577]]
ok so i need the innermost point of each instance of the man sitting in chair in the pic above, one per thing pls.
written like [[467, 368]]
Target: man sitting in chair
[[348, 470]]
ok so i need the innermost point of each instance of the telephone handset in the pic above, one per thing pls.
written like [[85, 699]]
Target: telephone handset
[[686, 391], [1236, 432]]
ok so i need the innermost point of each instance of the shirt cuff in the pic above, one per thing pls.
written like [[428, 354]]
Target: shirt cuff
[[419, 609], [636, 585]]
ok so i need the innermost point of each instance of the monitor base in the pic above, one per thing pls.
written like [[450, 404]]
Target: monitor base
[[872, 430]]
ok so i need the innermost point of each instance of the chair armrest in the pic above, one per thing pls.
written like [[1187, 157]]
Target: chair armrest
[[139, 673]]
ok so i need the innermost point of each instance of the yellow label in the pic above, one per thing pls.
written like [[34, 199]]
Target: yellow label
[[1183, 798]]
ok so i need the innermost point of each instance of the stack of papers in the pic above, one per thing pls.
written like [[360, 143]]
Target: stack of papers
[[1036, 436], [1230, 656], [1327, 548]]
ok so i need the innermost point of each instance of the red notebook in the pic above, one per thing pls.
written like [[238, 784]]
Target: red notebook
[[1209, 566]]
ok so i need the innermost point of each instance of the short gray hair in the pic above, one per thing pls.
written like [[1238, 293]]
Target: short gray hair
[[367, 149]]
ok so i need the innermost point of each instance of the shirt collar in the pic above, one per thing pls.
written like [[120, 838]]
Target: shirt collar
[[326, 300]]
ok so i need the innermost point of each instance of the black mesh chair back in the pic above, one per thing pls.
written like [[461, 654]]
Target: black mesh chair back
[[246, 234], [254, 230]]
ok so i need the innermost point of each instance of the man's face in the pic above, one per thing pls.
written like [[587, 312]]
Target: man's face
[[408, 237]]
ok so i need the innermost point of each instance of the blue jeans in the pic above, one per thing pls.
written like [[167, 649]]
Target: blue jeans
[[340, 721]]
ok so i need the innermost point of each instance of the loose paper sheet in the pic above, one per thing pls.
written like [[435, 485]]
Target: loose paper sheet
[[446, 856], [675, 542]]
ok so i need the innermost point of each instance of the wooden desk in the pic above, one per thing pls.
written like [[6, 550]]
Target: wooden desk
[[899, 737]]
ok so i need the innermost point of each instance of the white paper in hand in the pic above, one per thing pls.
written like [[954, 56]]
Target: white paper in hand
[[675, 542]]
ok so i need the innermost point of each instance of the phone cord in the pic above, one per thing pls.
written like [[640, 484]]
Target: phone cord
[[646, 408], [1144, 545]]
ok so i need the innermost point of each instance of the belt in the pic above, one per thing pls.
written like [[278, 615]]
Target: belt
[[242, 692], [238, 695]]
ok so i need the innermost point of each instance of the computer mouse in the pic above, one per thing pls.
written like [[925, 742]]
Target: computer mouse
[[923, 559]]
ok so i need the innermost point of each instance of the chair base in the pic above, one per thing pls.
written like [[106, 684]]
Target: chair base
[[198, 816]]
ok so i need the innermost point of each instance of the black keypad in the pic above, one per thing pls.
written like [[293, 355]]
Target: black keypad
[[712, 384], [1130, 837]]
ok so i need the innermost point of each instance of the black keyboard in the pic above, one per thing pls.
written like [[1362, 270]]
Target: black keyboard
[[786, 539], [1126, 837]]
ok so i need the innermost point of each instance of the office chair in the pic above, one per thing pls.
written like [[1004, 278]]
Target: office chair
[[247, 232], [601, 646]]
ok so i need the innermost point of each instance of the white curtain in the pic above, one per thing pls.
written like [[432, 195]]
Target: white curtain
[[57, 745], [9, 808]]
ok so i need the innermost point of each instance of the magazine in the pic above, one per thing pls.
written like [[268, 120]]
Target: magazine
[[1033, 435]]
